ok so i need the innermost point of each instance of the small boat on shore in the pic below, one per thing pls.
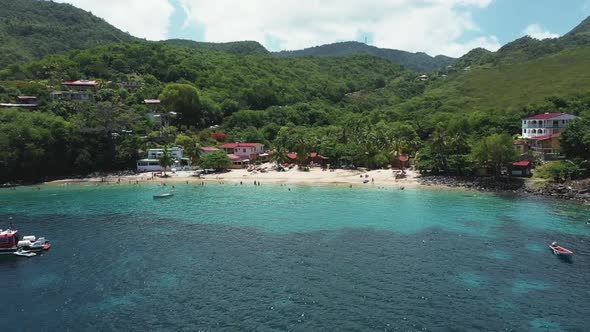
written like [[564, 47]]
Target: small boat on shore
[[11, 243], [560, 251], [163, 195]]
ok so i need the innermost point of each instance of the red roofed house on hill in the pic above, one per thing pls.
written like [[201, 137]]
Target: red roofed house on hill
[[542, 131]]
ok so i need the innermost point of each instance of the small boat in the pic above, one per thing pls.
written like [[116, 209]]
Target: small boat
[[560, 251], [25, 253], [163, 195]]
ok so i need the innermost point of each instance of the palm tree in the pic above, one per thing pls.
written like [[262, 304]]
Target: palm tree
[[165, 159], [194, 153], [279, 156]]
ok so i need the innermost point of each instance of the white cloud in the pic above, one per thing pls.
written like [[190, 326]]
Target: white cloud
[[148, 19], [432, 26], [536, 31]]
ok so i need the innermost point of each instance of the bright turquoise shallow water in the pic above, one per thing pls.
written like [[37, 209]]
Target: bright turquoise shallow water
[[226, 257]]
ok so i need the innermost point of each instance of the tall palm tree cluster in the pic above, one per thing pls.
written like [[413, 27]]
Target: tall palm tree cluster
[[356, 143]]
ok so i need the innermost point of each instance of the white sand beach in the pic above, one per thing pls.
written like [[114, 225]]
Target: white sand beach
[[383, 177]]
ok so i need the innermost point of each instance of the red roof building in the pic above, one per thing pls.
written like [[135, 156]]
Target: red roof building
[[546, 137], [522, 163], [545, 116], [546, 124], [245, 150], [521, 168]]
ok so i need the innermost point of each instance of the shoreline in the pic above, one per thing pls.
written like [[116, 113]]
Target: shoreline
[[316, 176], [384, 178]]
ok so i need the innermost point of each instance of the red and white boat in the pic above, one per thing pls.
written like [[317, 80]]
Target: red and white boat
[[560, 251], [12, 244]]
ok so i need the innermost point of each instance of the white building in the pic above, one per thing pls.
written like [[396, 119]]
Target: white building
[[545, 125], [152, 162]]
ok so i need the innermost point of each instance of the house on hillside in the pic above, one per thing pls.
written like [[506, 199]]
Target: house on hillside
[[80, 85], [545, 124], [23, 101], [131, 86], [520, 146], [164, 119], [542, 132], [79, 90]]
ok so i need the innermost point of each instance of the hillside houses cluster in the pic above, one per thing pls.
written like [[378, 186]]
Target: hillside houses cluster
[[71, 90]]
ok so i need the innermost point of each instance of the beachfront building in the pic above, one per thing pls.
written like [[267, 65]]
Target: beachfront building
[[242, 154], [79, 90], [313, 159], [152, 162], [251, 151], [22, 101], [521, 168]]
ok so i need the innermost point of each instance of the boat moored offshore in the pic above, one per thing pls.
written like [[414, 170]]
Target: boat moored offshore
[[11, 243]]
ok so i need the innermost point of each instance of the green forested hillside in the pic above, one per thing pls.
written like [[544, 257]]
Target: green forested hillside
[[527, 48], [421, 62], [240, 48], [31, 29], [513, 86], [255, 82]]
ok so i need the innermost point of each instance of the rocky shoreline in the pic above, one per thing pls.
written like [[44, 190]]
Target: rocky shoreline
[[573, 191]]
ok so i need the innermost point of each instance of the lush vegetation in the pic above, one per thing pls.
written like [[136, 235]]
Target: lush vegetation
[[239, 48], [421, 62], [31, 29], [357, 110]]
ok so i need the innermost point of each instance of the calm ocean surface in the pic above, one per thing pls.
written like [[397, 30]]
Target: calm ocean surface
[[226, 257]]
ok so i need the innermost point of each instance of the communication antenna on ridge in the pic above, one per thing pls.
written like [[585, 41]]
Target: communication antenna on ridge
[[365, 40]]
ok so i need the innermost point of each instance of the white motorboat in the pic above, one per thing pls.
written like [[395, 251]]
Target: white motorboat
[[24, 253], [163, 195]]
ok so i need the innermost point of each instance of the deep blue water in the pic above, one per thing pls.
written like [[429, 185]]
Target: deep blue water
[[225, 257]]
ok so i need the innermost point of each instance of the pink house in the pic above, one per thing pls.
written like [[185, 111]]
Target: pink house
[[245, 150]]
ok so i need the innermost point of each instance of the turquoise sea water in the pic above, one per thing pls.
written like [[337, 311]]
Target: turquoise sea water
[[231, 257]]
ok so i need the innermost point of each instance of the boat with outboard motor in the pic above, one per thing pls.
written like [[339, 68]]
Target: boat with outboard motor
[[12, 244]]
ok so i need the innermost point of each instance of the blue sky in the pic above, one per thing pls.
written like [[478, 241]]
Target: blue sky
[[508, 18], [450, 27]]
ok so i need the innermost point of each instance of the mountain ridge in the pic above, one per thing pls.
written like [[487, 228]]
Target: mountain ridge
[[418, 61]]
